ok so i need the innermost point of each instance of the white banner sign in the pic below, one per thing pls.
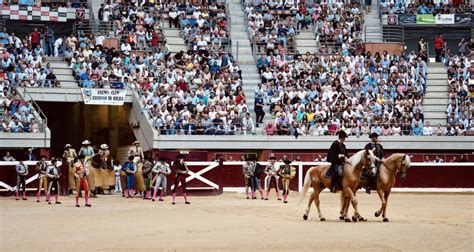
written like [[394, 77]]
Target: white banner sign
[[93, 96], [445, 19]]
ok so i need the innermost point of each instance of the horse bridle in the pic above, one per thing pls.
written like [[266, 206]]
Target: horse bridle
[[401, 172]]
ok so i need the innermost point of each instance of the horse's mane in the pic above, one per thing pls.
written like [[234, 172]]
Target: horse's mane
[[357, 157], [395, 156]]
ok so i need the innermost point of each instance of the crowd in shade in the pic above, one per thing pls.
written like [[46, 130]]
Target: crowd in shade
[[423, 7], [461, 95], [16, 115], [198, 91]]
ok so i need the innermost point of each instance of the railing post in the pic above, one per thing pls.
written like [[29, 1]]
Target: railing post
[[237, 50]]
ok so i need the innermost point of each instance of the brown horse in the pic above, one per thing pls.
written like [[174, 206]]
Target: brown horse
[[397, 163], [316, 177]]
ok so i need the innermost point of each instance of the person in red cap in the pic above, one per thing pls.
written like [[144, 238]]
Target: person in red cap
[[181, 171], [337, 155]]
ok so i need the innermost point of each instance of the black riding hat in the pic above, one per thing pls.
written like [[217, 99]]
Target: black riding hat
[[373, 134], [287, 161], [342, 134]]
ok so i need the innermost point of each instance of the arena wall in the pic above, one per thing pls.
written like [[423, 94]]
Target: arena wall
[[212, 178]]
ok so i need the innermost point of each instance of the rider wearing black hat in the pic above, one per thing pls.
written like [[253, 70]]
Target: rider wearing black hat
[[377, 148], [336, 155]]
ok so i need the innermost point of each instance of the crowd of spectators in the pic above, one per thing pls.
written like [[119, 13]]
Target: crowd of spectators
[[133, 63], [461, 94], [274, 25], [204, 25], [16, 115], [352, 91], [423, 7], [198, 91]]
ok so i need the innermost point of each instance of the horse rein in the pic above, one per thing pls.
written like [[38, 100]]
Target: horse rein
[[401, 165]]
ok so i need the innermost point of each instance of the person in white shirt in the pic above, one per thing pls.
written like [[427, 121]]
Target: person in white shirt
[[126, 48], [248, 125], [57, 45], [427, 129]]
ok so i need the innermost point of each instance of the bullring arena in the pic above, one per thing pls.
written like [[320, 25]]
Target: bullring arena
[[154, 125], [418, 221]]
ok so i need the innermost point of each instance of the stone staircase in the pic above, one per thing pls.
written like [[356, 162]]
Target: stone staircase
[[62, 72], [306, 42], [241, 46], [174, 39], [435, 101], [242, 50], [372, 26]]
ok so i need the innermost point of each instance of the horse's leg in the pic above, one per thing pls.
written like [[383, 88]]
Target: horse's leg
[[343, 206], [316, 202], [310, 202], [357, 216], [350, 194], [385, 219], [382, 199]]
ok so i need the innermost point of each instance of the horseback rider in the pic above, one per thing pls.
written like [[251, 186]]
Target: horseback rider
[[337, 155], [377, 148]]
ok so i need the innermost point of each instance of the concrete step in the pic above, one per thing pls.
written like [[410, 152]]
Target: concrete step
[[305, 35], [434, 115], [178, 48], [436, 70], [306, 43], [171, 33], [437, 76], [435, 101], [437, 88], [62, 71], [434, 107], [304, 49], [435, 94], [54, 59], [62, 65]]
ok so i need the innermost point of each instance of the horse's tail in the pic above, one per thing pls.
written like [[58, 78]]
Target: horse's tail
[[306, 184]]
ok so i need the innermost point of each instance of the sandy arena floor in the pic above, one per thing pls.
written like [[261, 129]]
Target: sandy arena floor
[[423, 222]]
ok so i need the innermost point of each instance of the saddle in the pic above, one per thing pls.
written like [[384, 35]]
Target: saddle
[[331, 172]]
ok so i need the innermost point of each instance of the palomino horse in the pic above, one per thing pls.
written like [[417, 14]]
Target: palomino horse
[[316, 177], [397, 163]]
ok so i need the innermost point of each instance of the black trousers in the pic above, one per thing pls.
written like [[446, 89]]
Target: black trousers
[[21, 181], [259, 116]]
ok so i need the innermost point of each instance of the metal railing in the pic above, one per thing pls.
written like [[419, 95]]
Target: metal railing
[[392, 33], [39, 115], [94, 26]]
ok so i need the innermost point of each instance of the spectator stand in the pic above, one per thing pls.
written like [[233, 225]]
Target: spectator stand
[[19, 113]]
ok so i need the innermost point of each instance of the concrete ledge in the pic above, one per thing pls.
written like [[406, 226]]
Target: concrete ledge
[[310, 142], [25, 140]]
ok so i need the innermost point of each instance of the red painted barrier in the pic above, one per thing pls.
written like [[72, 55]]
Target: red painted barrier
[[219, 176]]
